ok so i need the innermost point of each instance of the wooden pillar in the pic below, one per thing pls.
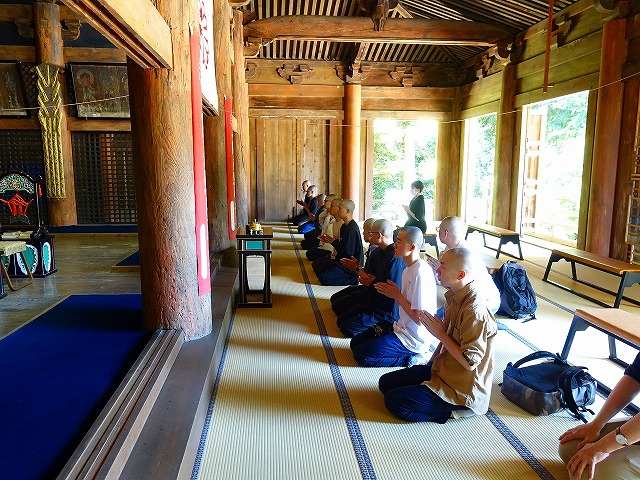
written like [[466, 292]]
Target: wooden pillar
[[241, 111], [448, 178], [505, 165], [443, 190], [626, 163], [161, 122], [607, 138], [351, 142], [48, 41], [214, 131]]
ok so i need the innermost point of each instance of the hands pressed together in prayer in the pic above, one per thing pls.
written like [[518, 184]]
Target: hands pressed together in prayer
[[389, 289], [326, 238], [433, 323]]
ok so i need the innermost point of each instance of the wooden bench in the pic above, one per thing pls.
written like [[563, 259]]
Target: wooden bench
[[628, 273], [431, 238], [504, 236], [616, 323], [492, 264]]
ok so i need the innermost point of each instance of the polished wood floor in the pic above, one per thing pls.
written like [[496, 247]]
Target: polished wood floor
[[84, 267]]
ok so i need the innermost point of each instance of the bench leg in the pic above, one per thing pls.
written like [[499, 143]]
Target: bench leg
[[613, 355], [552, 259], [577, 325], [574, 275]]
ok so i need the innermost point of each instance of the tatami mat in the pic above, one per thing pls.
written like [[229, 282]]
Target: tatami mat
[[292, 404]]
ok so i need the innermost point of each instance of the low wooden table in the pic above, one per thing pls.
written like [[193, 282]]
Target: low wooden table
[[8, 248], [628, 273], [504, 236], [254, 245]]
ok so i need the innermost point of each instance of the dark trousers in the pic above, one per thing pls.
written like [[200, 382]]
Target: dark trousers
[[330, 272], [406, 398], [347, 298], [378, 346], [310, 243], [318, 253], [356, 321]]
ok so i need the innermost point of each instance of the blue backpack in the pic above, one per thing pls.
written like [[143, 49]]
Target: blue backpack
[[517, 298]]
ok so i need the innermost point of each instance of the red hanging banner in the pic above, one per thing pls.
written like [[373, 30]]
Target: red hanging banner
[[200, 183], [231, 176]]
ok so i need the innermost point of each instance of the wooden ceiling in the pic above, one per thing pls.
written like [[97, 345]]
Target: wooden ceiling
[[511, 15]]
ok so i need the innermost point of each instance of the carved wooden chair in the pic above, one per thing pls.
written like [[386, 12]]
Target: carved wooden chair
[[21, 219]]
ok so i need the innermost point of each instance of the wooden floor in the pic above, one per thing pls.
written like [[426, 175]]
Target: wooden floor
[[84, 266]]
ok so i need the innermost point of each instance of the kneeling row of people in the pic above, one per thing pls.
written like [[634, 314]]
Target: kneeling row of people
[[392, 325], [391, 315]]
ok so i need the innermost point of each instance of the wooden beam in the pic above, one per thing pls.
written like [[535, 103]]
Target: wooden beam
[[358, 29], [133, 25]]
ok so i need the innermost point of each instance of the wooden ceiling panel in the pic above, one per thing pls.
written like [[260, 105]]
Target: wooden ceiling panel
[[511, 15]]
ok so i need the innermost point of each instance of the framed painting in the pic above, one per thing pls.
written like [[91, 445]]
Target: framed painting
[[12, 102], [101, 90]]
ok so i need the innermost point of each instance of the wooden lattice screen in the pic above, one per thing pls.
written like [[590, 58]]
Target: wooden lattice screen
[[22, 150], [104, 181]]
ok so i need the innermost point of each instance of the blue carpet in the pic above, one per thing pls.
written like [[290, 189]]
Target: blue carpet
[[58, 372], [130, 261], [113, 228]]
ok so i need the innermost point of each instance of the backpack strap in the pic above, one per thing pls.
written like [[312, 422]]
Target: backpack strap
[[536, 356], [567, 393]]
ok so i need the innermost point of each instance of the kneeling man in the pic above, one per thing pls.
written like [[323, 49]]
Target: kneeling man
[[457, 380]]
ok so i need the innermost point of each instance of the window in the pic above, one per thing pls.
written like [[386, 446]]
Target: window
[[479, 154], [404, 151], [553, 163]]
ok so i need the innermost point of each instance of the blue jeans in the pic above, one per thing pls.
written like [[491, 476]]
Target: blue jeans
[[378, 346], [352, 322], [406, 398]]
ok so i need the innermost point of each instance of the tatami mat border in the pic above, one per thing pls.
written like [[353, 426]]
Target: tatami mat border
[[207, 422], [355, 434], [359, 445], [520, 447]]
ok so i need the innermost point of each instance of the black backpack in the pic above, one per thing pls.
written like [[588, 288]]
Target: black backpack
[[550, 386], [517, 298]]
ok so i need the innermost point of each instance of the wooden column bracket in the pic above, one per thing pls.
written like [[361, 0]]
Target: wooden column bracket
[[561, 28], [25, 27], [606, 6], [250, 70], [296, 74], [404, 75], [71, 29], [484, 66], [353, 74]]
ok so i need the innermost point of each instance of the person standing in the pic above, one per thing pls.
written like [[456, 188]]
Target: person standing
[[416, 209]]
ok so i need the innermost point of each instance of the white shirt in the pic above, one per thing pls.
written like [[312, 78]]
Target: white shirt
[[419, 288], [327, 229]]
